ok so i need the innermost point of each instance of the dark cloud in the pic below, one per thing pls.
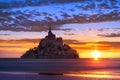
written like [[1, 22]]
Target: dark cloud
[[69, 41], [5, 34], [101, 29], [28, 40], [110, 35], [66, 41], [99, 45], [115, 28], [74, 44], [27, 19], [104, 29], [66, 30], [69, 34], [111, 44], [20, 41], [10, 46]]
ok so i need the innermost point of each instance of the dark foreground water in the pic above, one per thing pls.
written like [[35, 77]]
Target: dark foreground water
[[72, 69]]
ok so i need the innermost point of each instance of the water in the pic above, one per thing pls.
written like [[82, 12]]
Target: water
[[73, 69]]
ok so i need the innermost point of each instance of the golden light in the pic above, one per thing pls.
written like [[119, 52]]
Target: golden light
[[96, 54]]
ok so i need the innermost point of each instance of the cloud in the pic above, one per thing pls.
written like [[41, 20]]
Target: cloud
[[10, 46], [69, 34], [101, 29], [66, 30], [5, 34], [69, 41], [20, 40], [28, 40], [22, 43], [109, 35], [21, 19], [111, 44], [116, 28], [92, 45], [29, 43], [18, 45]]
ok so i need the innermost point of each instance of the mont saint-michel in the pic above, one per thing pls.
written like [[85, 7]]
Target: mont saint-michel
[[51, 47]]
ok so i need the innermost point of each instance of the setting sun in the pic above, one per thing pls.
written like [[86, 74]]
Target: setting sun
[[96, 54]]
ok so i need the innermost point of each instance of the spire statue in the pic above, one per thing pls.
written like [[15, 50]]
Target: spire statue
[[50, 34], [49, 28]]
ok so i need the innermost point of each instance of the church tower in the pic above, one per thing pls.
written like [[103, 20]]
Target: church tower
[[50, 34]]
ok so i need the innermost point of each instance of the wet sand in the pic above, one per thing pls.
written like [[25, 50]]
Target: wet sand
[[72, 69]]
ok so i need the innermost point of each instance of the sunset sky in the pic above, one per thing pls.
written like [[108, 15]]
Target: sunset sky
[[85, 37]]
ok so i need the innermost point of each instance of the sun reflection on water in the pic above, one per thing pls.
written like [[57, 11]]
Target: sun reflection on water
[[97, 74]]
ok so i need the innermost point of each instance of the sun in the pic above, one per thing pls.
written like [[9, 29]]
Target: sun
[[96, 54]]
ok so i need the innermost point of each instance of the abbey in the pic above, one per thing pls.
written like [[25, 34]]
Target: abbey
[[51, 48]]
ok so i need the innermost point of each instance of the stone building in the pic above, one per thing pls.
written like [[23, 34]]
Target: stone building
[[51, 48]]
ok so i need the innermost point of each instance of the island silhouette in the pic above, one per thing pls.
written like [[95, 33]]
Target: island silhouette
[[51, 47]]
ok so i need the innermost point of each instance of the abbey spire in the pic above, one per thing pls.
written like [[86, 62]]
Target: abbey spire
[[50, 34], [49, 28]]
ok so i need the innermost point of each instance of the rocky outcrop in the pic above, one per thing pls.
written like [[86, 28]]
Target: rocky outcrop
[[51, 47]]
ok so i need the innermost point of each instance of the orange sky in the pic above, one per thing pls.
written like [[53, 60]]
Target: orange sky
[[85, 49], [85, 38]]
